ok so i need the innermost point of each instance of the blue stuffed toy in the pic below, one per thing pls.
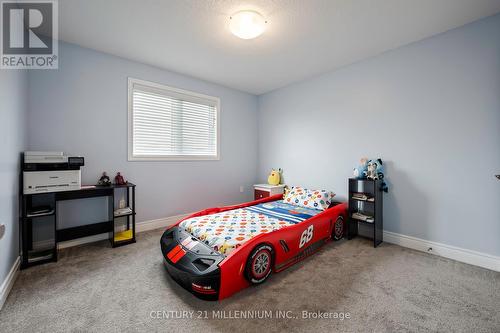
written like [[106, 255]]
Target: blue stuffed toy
[[361, 170]]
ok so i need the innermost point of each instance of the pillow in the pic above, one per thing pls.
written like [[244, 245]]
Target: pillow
[[316, 199]]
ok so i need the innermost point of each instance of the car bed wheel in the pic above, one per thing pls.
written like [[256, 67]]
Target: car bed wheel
[[338, 229], [259, 264]]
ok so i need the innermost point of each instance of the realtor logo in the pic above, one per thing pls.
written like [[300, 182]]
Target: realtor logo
[[29, 34]]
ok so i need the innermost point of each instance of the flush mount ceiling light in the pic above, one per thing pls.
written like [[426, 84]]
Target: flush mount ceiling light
[[247, 24]]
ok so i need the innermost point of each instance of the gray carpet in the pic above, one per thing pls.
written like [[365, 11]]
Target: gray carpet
[[94, 288]]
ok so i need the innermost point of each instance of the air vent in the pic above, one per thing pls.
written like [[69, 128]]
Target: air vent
[[203, 264], [167, 239], [284, 245]]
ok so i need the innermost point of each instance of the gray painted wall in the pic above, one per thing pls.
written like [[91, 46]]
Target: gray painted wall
[[82, 109], [431, 110], [13, 106]]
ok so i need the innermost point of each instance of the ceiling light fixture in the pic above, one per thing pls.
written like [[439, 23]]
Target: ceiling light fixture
[[247, 24]]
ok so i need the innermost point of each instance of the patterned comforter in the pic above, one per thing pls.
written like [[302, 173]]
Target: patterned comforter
[[228, 230]]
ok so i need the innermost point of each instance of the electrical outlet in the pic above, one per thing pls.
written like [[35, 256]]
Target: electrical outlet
[[2, 230], [242, 189]]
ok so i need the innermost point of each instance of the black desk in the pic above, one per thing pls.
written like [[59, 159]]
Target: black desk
[[32, 257]]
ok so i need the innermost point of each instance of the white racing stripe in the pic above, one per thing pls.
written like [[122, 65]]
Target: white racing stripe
[[275, 214]]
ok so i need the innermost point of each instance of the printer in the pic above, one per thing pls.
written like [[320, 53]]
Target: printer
[[45, 171]]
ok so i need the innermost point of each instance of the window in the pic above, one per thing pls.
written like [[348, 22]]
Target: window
[[171, 124]]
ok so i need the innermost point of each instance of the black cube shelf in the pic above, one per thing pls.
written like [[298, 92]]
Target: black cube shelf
[[365, 198]]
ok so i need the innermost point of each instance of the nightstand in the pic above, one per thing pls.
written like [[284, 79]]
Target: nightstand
[[266, 190]]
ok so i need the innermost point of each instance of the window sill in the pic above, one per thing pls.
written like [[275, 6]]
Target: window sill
[[172, 158]]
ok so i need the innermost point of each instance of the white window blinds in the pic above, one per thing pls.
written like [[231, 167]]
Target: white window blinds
[[169, 123]]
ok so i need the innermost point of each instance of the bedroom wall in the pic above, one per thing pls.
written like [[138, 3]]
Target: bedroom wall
[[13, 106], [81, 108], [431, 110]]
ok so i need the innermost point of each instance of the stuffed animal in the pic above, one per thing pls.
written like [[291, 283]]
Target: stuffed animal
[[371, 170], [360, 171], [375, 170], [275, 177]]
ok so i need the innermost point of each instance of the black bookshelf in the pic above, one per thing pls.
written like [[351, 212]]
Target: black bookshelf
[[369, 203], [130, 217]]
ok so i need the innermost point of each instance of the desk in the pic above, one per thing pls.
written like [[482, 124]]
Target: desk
[[31, 256]]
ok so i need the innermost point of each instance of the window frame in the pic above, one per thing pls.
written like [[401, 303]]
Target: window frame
[[174, 91]]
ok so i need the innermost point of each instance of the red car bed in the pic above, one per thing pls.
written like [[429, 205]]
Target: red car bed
[[218, 251]]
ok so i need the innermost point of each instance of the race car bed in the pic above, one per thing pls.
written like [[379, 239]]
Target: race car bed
[[219, 251]]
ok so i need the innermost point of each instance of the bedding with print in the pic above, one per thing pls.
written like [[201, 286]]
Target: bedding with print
[[228, 230], [316, 199]]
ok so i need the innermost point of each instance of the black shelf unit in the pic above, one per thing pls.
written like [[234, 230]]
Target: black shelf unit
[[372, 207], [130, 202], [31, 256]]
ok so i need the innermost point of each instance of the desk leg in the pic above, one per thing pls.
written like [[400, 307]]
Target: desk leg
[[128, 205], [25, 244], [133, 210], [29, 234], [111, 207]]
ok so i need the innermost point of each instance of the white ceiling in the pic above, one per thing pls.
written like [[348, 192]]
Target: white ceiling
[[303, 38]]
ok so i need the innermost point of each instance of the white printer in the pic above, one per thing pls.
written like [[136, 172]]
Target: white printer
[[45, 171]]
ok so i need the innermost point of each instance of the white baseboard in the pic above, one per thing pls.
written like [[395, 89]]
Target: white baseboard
[[447, 251], [81, 241], [159, 223], [37, 245], [9, 282]]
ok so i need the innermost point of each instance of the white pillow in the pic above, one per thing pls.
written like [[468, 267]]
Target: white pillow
[[316, 199]]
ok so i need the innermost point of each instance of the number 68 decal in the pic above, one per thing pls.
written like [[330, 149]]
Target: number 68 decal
[[306, 236]]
